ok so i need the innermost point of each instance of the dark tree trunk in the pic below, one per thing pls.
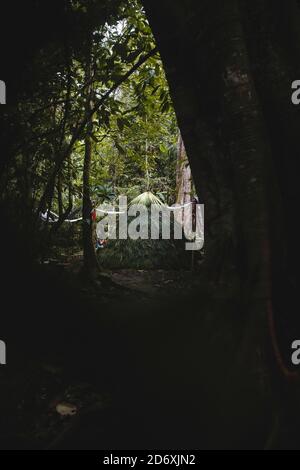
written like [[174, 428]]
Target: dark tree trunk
[[273, 46], [89, 255], [220, 115], [59, 197], [272, 33]]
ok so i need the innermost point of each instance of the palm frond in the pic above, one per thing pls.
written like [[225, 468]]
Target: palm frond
[[146, 199]]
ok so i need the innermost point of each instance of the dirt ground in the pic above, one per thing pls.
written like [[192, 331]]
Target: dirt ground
[[149, 359]]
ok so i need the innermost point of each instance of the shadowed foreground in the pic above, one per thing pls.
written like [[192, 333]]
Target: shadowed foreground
[[143, 368]]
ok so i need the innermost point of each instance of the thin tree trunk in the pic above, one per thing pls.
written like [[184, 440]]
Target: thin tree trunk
[[184, 183], [89, 254], [59, 196]]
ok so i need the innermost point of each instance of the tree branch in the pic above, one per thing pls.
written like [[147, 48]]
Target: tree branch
[[82, 125]]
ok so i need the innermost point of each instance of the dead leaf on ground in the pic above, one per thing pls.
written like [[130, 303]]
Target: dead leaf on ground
[[66, 409]]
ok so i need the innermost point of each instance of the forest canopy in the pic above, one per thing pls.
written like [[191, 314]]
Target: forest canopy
[[95, 122]]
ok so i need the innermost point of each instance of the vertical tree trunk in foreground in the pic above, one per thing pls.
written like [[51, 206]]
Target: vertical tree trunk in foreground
[[89, 254], [220, 114]]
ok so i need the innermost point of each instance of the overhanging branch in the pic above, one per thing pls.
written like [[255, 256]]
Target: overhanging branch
[[80, 128]]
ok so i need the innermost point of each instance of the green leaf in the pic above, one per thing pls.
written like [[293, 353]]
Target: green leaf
[[120, 123], [165, 107], [120, 148]]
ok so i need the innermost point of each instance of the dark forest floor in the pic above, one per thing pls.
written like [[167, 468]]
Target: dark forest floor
[[40, 401], [158, 363]]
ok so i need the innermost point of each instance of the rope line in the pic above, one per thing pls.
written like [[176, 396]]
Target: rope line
[[53, 217]]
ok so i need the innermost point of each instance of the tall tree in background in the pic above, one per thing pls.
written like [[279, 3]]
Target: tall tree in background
[[184, 182]]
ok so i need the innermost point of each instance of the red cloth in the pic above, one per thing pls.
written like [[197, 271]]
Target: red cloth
[[93, 214]]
